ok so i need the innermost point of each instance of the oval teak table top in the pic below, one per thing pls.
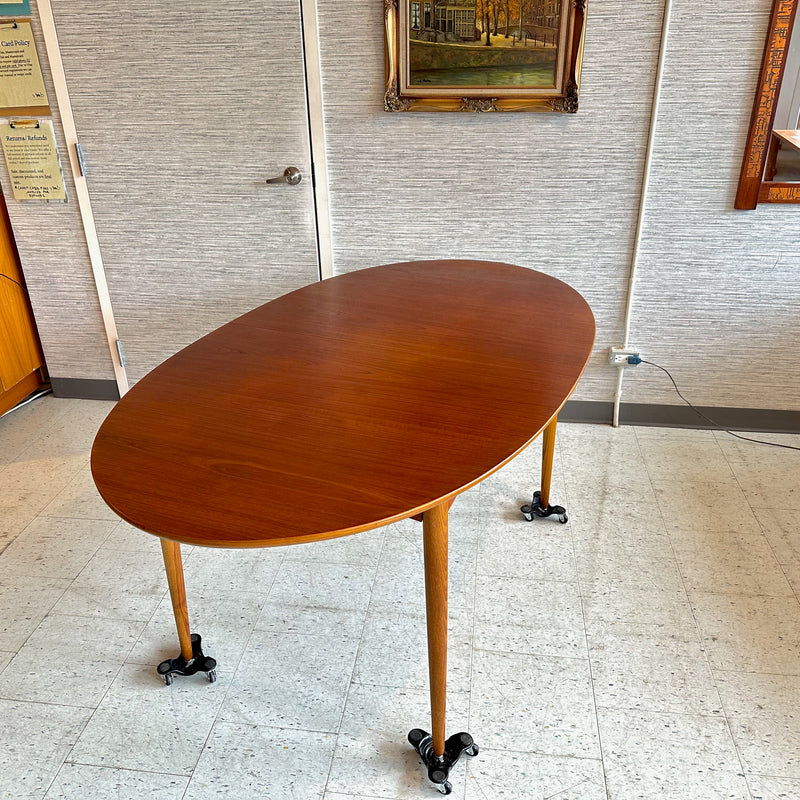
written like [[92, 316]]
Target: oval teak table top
[[344, 405]]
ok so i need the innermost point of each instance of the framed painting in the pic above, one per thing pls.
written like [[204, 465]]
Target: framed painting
[[483, 55]]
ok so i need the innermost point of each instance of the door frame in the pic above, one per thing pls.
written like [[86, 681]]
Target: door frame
[[309, 30]]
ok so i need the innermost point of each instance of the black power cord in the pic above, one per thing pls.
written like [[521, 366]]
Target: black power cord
[[713, 422]]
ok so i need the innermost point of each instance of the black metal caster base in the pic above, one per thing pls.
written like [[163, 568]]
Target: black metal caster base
[[197, 663], [536, 509], [439, 766]]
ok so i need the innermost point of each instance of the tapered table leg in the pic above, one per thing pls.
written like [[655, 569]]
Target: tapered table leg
[[437, 753], [540, 505], [434, 532], [191, 659]]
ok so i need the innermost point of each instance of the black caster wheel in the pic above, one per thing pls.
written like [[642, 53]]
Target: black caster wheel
[[439, 766], [199, 662], [536, 509]]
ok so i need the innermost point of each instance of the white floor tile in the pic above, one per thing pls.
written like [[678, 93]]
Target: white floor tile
[[141, 724], [525, 616], [762, 709], [291, 681], [34, 740], [394, 650], [242, 762], [126, 537], [121, 584], [26, 424], [51, 547], [536, 550], [362, 549], [782, 530], [400, 574], [720, 506], [691, 460], [224, 621], [79, 782], [669, 756], [69, 660], [531, 703], [25, 602], [533, 776], [79, 499], [730, 563], [651, 670], [764, 787], [233, 570], [749, 633]]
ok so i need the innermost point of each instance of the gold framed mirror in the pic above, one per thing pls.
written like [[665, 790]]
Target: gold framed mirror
[[771, 165]]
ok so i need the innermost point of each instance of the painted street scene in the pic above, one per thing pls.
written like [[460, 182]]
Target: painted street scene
[[503, 43]]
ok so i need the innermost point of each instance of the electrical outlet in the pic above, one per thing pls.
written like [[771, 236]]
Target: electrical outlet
[[624, 356]]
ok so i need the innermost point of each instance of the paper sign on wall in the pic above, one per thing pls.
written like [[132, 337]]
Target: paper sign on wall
[[33, 166], [22, 89]]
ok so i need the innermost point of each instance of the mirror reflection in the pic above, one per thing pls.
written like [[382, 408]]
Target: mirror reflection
[[783, 161]]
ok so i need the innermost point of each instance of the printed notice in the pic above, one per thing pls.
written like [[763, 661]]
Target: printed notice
[[21, 84], [32, 160]]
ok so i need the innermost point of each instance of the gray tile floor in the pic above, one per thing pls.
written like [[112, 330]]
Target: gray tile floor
[[650, 648]]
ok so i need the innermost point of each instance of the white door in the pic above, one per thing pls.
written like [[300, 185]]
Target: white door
[[184, 110]]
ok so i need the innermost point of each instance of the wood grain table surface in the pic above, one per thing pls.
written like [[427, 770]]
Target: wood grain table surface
[[344, 405]]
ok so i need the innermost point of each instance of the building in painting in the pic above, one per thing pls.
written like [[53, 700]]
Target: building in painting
[[545, 13], [442, 20]]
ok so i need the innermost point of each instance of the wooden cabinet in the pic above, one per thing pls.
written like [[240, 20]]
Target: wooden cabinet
[[21, 361]]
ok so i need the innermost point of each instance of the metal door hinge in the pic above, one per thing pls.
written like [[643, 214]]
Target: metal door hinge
[[81, 159], [120, 352]]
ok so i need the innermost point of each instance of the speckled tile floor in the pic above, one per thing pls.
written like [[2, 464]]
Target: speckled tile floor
[[650, 648]]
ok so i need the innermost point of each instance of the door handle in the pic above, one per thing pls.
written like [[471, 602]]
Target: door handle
[[291, 175]]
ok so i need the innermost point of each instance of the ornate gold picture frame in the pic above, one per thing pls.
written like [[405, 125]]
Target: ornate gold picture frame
[[483, 55]]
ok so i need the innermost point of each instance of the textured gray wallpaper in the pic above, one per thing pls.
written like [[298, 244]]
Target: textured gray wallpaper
[[717, 289], [558, 193]]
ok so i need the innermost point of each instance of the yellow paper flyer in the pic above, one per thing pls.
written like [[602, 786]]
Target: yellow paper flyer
[[22, 88], [32, 160]]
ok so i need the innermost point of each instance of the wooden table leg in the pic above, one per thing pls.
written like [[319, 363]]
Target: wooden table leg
[[434, 533], [177, 592], [192, 658], [437, 753], [548, 450], [540, 505]]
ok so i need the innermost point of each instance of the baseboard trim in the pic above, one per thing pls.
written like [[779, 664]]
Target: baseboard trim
[[764, 420], [85, 388]]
